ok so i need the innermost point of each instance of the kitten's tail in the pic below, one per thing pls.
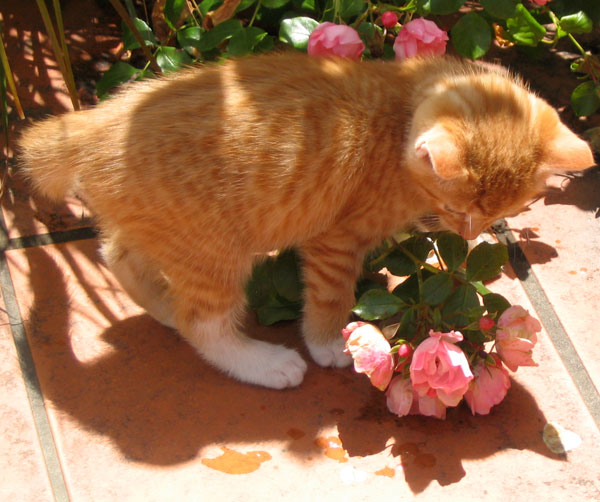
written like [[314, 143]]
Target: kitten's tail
[[49, 154]]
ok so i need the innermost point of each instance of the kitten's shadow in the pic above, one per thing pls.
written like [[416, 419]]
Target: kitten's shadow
[[160, 404], [580, 190]]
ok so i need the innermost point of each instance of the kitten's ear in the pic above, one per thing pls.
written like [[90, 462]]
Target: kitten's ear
[[567, 152], [439, 147]]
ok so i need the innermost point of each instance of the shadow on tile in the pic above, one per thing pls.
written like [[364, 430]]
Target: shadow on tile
[[581, 190], [159, 404]]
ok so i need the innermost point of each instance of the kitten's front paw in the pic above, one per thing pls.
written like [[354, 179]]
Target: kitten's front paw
[[331, 354], [286, 369]]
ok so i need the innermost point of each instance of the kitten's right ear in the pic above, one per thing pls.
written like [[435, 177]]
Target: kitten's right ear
[[439, 147]]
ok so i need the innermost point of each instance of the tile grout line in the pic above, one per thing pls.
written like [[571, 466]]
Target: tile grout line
[[58, 237], [556, 331], [32, 384]]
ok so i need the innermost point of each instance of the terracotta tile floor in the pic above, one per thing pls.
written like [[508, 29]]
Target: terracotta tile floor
[[101, 403]]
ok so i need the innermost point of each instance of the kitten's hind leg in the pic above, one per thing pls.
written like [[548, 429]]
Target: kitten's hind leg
[[208, 317], [142, 282]]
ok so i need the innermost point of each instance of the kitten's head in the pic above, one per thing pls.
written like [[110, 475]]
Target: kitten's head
[[482, 146]]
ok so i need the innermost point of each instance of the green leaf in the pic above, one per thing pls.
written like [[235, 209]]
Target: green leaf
[[485, 261], [471, 36], [244, 4], [523, 27], [586, 99], [129, 41], [577, 23], [305, 5], [351, 8], [408, 290], [219, 34], [171, 59], [502, 9], [453, 249], [399, 264], [407, 323], [436, 289], [173, 10], [189, 38], [495, 303], [244, 41], [286, 276], [440, 6], [117, 74], [419, 246], [295, 31], [458, 304], [274, 4], [275, 310], [207, 5], [377, 304], [259, 287]]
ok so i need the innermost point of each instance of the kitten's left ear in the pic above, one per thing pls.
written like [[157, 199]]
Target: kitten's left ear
[[438, 146], [567, 152]]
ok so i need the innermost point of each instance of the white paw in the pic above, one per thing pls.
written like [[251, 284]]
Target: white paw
[[330, 355], [285, 369]]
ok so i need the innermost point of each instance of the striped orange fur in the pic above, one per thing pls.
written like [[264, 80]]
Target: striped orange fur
[[193, 176]]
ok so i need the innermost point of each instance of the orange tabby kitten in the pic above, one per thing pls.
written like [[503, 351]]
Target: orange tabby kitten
[[194, 175]]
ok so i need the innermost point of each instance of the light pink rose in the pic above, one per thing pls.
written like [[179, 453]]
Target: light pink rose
[[420, 37], [440, 369], [489, 387], [400, 395], [516, 337], [330, 39], [403, 400], [371, 353]]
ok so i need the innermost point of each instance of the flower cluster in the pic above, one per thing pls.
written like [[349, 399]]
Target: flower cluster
[[417, 37], [425, 376]]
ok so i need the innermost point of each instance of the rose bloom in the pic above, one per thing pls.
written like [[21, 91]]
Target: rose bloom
[[371, 353], [440, 369], [330, 39], [420, 37], [540, 2], [403, 400], [488, 388], [389, 19], [516, 337]]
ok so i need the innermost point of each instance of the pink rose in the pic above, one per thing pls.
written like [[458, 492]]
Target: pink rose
[[516, 337], [540, 2], [403, 400], [330, 39], [399, 396], [371, 353], [389, 19], [489, 387], [440, 369], [420, 37]]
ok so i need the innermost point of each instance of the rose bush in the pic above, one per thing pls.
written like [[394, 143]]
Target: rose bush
[[447, 335]]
